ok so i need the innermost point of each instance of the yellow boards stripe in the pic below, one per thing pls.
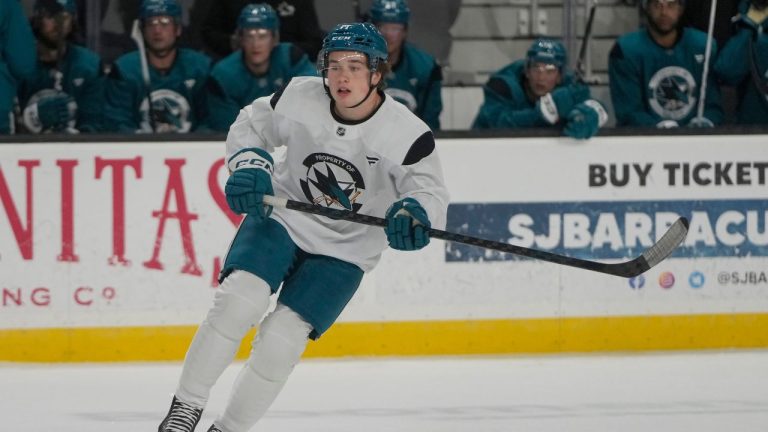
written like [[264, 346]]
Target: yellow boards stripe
[[503, 336]]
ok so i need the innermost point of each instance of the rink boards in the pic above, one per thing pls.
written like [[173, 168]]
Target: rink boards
[[110, 251]]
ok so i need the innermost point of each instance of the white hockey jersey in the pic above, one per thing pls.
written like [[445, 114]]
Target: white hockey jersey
[[358, 166]]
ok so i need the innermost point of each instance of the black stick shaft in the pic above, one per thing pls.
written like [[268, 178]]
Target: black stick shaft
[[625, 269]]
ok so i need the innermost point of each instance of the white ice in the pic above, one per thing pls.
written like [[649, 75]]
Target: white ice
[[691, 391]]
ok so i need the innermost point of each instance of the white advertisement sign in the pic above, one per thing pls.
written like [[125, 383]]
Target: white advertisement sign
[[126, 234]]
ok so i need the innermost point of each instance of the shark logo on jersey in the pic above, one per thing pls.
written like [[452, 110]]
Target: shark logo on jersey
[[333, 182], [404, 97], [170, 112], [672, 92]]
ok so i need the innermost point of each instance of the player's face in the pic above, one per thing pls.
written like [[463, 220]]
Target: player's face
[[542, 78], [55, 28], [257, 45], [350, 80], [394, 34], [663, 15], [160, 33]]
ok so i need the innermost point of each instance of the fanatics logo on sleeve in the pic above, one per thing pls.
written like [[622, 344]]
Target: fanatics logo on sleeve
[[341, 131]]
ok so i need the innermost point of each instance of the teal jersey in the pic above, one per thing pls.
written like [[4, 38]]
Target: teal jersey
[[505, 102], [734, 67], [417, 82], [178, 95], [17, 57], [77, 74], [650, 83], [232, 85]]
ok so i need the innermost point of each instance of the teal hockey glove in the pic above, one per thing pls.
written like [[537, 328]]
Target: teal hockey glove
[[250, 180], [585, 119], [407, 225], [52, 112], [559, 103]]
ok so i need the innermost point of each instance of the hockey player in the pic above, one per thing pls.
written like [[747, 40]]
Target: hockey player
[[177, 78], [259, 68], [743, 62], [66, 94], [17, 58], [348, 146], [655, 73], [416, 79], [538, 92]]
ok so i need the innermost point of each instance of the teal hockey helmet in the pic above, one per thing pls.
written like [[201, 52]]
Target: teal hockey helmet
[[390, 11], [258, 16], [152, 8], [359, 37], [547, 51], [52, 7]]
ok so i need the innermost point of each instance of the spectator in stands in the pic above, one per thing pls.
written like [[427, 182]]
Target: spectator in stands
[[259, 68], [538, 92], [655, 73], [17, 58], [415, 79], [174, 79], [743, 62], [298, 24], [66, 94]]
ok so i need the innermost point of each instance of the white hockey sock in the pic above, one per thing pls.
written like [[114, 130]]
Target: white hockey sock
[[240, 302], [278, 347]]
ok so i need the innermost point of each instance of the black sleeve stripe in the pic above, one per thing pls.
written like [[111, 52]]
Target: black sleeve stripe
[[278, 93], [296, 54], [421, 148], [500, 87]]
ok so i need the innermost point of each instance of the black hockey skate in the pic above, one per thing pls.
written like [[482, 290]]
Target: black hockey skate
[[182, 417]]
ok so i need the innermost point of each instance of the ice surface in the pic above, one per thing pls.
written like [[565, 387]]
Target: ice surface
[[701, 392]]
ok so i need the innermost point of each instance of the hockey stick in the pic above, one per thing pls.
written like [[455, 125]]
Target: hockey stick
[[649, 258], [580, 72], [138, 37], [707, 55]]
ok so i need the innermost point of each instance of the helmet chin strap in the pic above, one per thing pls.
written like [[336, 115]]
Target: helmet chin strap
[[372, 88], [370, 91]]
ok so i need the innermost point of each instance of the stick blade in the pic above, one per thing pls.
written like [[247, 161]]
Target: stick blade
[[667, 243]]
